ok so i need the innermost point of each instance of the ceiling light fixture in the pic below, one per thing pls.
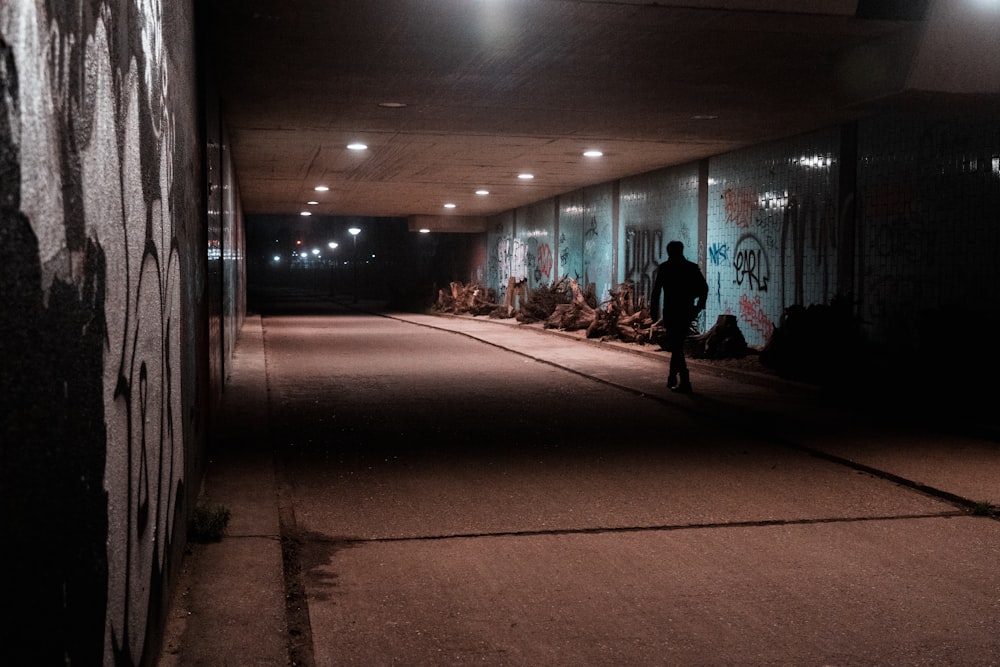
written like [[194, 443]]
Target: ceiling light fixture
[[321, 188], [526, 177], [312, 202], [424, 230], [305, 213], [357, 147], [482, 192], [449, 205], [593, 153], [392, 105]]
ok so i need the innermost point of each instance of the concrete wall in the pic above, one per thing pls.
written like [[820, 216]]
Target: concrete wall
[[104, 396], [898, 212]]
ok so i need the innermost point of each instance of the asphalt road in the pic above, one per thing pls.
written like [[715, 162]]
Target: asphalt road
[[448, 501]]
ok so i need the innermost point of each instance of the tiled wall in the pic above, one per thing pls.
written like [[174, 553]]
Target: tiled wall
[[499, 252], [928, 226], [654, 209], [780, 224], [586, 238], [532, 248], [772, 231]]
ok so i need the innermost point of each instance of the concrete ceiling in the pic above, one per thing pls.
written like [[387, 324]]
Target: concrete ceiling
[[494, 88]]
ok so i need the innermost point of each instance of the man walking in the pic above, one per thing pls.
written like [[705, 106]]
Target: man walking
[[684, 293]]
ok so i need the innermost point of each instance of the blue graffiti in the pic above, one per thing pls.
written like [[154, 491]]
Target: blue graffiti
[[718, 253]]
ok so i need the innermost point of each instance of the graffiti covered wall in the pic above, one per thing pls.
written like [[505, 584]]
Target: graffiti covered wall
[[534, 242], [584, 249], [657, 208], [500, 248], [783, 227], [101, 230], [772, 231]]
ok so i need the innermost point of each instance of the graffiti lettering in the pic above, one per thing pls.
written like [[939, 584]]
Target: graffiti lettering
[[751, 264], [642, 248], [520, 257], [718, 253], [753, 314], [817, 224], [544, 263], [740, 206]]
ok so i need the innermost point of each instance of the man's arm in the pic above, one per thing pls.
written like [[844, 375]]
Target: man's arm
[[700, 288], [654, 296]]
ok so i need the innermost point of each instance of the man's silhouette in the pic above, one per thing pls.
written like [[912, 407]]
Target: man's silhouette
[[684, 292]]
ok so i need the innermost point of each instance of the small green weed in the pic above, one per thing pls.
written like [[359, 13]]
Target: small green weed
[[208, 524], [984, 508]]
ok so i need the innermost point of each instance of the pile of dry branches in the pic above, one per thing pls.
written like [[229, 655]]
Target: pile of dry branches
[[564, 305], [465, 299], [621, 318]]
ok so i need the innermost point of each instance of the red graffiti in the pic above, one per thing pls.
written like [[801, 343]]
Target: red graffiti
[[752, 313], [544, 265], [740, 205]]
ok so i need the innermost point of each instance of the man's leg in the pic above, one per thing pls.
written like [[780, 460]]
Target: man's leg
[[679, 379], [683, 377], [675, 342]]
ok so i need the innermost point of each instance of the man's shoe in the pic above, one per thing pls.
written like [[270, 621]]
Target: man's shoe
[[682, 388], [671, 381]]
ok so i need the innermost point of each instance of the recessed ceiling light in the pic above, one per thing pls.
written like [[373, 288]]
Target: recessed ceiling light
[[449, 205], [482, 192], [526, 177], [357, 147], [424, 230], [593, 153], [305, 213], [321, 188], [312, 202], [392, 105]]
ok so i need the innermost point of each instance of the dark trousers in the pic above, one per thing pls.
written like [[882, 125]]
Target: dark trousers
[[677, 332]]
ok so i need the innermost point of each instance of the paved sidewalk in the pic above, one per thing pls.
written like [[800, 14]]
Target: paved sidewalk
[[230, 604], [961, 464]]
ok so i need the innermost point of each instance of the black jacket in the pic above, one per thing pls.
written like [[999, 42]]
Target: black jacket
[[684, 291]]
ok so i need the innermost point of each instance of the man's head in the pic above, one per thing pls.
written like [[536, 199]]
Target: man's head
[[675, 249]]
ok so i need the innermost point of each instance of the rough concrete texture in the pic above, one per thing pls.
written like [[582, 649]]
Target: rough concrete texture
[[461, 491]]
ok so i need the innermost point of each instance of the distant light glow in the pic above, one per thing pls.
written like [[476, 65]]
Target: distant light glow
[[303, 254], [526, 177], [316, 251], [772, 200], [482, 192], [593, 153], [321, 188], [424, 230], [332, 245], [305, 213], [277, 258], [392, 105], [357, 146], [354, 231], [312, 202], [449, 205], [815, 161]]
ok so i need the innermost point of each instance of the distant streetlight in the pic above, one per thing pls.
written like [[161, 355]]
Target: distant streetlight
[[332, 245], [354, 231]]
